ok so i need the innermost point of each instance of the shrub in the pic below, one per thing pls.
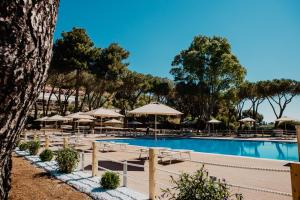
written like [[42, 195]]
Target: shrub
[[33, 147], [67, 160], [110, 180], [23, 146], [46, 155], [198, 186]]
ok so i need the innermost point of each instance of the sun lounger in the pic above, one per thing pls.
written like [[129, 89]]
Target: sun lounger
[[170, 155], [184, 153]]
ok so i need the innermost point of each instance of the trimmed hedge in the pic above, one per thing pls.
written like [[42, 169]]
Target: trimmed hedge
[[110, 180], [23, 146], [67, 160], [46, 155], [33, 147]]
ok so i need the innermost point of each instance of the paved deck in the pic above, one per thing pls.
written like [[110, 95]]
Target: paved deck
[[243, 172]]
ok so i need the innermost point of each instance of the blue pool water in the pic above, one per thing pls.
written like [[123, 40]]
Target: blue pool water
[[257, 149]]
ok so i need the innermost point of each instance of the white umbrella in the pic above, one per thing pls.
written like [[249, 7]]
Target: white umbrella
[[84, 120], [56, 118], [247, 119], [285, 119], [43, 119], [79, 115], [113, 121], [134, 123], [103, 112], [155, 109], [213, 122]]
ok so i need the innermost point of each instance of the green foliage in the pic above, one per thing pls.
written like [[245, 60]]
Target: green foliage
[[67, 160], [74, 51], [46, 155], [110, 180], [33, 147], [198, 186], [202, 72], [23, 146]]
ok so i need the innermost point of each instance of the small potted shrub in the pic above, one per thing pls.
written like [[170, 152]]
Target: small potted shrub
[[46, 155], [33, 147], [23, 146], [110, 180], [67, 160]]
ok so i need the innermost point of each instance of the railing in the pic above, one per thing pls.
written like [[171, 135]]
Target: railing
[[153, 169]]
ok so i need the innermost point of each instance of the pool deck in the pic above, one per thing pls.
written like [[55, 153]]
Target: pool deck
[[262, 174], [242, 172]]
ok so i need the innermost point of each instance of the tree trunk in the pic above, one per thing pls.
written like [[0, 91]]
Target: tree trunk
[[26, 29], [77, 87]]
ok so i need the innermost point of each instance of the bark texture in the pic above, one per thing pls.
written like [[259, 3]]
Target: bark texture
[[26, 38]]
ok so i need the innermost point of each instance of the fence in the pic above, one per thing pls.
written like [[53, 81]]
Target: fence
[[153, 181]]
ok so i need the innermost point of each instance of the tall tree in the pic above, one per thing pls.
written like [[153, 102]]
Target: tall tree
[[209, 65], [255, 94], [109, 68], [75, 51], [26, 31], [279, 93], [134, 85]]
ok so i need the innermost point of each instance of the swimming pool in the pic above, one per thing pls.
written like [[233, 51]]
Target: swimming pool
[[256, 149]]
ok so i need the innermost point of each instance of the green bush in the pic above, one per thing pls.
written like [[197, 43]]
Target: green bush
[[67, 160], [46, 155], [33, 147], [110, 180], [23, 146], [198, 186]]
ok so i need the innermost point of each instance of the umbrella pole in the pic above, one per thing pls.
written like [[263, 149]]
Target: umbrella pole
[[101, 125], [155, 127]]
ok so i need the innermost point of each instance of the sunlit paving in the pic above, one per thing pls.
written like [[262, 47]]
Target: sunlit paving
[[160, 100]]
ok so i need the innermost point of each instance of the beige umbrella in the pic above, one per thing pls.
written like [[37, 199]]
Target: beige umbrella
[[285, 119], [213, 122], [56, 118], [84, 120], [79, 115], [113, 121], [43, 119], [247, 119], [102, 113], [155, 109]]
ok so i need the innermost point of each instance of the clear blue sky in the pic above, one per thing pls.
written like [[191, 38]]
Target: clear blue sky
[[264, 34]]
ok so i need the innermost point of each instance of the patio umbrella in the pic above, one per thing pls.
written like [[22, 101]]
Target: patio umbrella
[[84, 120], [57, 118], [247, 119], [155, 109], [79, 115], [113, 121], [134, 123], [213, 122], [42, 119], [284, 120], [102, 113]]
